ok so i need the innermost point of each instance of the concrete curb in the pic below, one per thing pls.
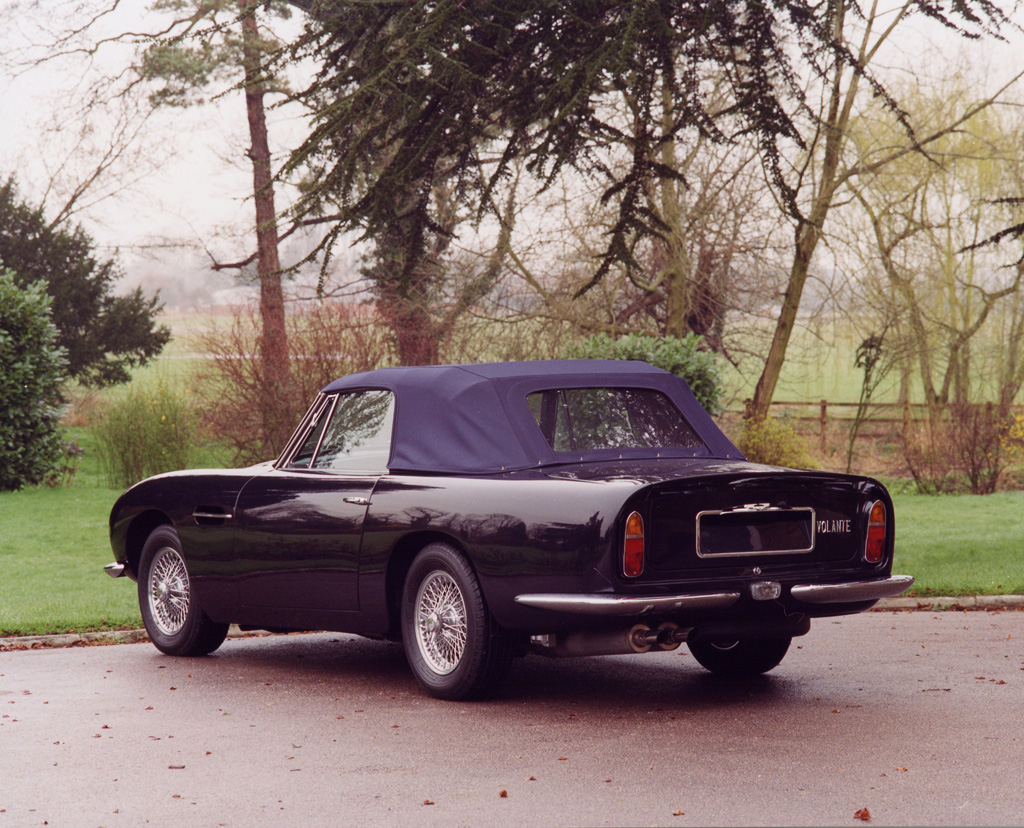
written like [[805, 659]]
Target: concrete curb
[[953, 602], [991, 603], [91, 639]]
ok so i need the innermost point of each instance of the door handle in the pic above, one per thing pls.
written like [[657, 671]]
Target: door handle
[[358, 501]]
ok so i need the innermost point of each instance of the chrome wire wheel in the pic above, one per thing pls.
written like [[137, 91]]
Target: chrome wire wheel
[[168, 591], [441, 622]]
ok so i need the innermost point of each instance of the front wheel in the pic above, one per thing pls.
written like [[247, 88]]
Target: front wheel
[[174, 620], [737, 659], [454, 647]]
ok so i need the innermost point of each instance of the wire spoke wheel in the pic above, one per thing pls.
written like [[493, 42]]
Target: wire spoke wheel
[[173, 615], [168, 591], [455, 648], [441, 622]]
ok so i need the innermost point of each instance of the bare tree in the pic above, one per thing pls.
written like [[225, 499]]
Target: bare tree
[[827, 167], [924, 218]]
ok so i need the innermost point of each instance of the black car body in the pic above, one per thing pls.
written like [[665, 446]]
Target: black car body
[[481, 511]]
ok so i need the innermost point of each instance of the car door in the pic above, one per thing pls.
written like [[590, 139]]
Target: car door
[[299, 527]]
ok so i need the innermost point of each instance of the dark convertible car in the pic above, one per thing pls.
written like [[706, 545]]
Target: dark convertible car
[[480, 512]]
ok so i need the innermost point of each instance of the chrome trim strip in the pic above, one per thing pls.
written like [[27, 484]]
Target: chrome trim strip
[[212, 515], [627, 604], [114, 570], [852, 591], [756, 509]]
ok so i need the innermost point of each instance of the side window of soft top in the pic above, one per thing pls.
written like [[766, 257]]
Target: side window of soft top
[[352, 433]]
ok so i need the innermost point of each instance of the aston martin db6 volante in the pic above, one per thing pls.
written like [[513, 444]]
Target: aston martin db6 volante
[[480, 512]]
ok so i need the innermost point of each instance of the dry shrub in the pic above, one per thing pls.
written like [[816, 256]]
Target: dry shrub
[[325, 340], [966, 449], [82, 405], [978, 436], [927, 458], [494, 340], [147, 431]]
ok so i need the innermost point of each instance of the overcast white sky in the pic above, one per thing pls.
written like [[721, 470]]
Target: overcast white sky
[[188, 190], [193, 180]]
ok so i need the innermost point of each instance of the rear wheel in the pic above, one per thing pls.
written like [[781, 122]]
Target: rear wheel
[[738, 658], [174, 620], [455, 648]]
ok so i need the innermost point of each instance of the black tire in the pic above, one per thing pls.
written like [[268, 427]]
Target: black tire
[[454, 647], [738, 659], [174, 620]]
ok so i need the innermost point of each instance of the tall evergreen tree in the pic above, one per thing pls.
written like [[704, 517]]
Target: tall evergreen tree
[[104, 335], [408, 93], [210, 45]]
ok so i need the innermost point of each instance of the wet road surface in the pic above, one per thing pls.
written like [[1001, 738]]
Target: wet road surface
[[917, 717]]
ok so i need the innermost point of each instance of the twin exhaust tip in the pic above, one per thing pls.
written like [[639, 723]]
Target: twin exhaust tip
[[640, 638], [666, 636]]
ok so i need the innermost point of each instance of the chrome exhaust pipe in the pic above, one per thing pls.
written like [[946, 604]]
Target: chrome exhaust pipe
[[671, 635], [640, 638]]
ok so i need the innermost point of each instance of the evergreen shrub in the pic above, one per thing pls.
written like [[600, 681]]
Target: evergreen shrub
[[31, 370], [681, 356]]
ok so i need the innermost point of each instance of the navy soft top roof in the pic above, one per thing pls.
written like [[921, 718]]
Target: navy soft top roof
[[474, 419]]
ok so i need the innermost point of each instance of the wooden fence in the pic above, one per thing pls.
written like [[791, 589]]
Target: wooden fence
[[823, 418]]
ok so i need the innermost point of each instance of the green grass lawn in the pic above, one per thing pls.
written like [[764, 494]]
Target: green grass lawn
[[961, 544], [53, 545]]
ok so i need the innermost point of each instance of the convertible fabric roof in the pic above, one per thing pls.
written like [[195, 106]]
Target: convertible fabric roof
[[474, 419]]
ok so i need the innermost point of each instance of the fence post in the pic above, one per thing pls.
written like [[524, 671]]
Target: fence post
[[824, 424]]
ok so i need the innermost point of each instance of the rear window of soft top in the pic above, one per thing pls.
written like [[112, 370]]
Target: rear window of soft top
[[583, 419]]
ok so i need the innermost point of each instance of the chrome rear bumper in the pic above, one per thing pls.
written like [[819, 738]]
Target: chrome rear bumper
[[853, 591], [615, 605], [114, 570]]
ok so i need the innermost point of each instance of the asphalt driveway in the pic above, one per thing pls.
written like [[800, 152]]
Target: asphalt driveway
[[913, 718]]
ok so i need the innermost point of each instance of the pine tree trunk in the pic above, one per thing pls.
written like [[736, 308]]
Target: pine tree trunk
[[273, 341]]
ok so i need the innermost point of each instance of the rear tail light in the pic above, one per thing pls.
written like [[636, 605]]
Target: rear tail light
[[874, 546], [633, 548]]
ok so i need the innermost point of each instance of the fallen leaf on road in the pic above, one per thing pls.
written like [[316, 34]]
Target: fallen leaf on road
[[863, 814], [678, 813], [427, 802], [503, 794]]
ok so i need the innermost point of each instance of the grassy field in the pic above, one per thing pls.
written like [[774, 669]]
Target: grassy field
[[53, 542], [53, 545], [961, 544]]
